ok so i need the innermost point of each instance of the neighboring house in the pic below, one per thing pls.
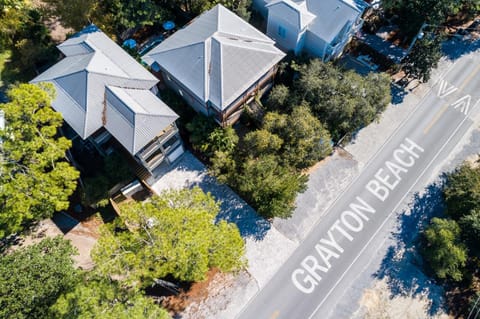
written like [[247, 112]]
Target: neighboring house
[[102, 91], [319, 27], [218, 63]]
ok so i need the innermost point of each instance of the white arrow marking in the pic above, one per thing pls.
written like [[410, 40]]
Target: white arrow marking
[[463, 103], [445, 89]]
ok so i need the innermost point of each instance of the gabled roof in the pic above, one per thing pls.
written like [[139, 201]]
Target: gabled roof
[[92, 63], [293, 12], [333, 15], [217, 56], [329, 16]]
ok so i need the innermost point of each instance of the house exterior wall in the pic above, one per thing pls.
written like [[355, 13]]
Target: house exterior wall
[[231, 113], [315, 45], [286, 35], [259, 5], [164, 148], [185, 93]]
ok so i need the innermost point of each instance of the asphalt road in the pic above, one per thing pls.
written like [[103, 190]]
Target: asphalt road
[[319, 272]]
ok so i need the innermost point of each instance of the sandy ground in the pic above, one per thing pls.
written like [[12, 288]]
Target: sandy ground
[[81, 237], [377, 303], [271, 245]]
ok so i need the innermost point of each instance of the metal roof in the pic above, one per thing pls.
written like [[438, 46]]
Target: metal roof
[[329, 16], [135, 116], [217, 56], [94, 62], [295, 13]]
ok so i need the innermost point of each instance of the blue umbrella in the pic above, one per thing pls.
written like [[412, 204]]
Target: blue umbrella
[[168, 25], [130, 43]]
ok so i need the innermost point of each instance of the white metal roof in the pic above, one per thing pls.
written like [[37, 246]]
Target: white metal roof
[[135, 116], [295, 12], [217, 56], [329, 16], [94, 62]]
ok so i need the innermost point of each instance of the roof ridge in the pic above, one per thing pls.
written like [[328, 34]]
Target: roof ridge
[[251, 48], [176, 48], [247, 39]]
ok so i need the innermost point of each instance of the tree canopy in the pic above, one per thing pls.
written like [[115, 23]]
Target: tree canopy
[[304, 139], [269, 186], [98, 298], [424, 57], [412, 13], [343, 100], [33, 277], [445, 253], [35, 178], [172, 234], [462, 191]]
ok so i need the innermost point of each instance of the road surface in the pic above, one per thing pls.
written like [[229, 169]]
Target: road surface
[[319, 272]]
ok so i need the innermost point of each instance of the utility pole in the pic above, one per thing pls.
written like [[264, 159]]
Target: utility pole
[[419, 35]]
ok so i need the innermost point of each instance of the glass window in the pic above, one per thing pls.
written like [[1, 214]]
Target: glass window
[[172, 140]]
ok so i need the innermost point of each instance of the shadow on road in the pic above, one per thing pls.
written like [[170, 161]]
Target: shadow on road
[[455, 49], [402, 264]]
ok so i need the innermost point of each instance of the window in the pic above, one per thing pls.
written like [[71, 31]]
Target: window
[[170, 142], [282, 32], [180, 92]]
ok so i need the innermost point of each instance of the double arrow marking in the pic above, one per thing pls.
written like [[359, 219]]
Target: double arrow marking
[[463, 103], [445, 89]]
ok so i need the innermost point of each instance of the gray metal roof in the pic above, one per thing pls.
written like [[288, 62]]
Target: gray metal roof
[[329, 16], [295, 13], [92, 62], [217, 56], [135, 116]]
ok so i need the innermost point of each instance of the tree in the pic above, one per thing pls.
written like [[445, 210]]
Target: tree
[[424, 57], [97, 298], [470, 226], [173, 234], [412, 13], [445, 254], [278, 97], [196, 7], [33, 277], [462, 191], [73, 14], [200, 129], [270, 187], [220, 140], [305, 141], [35, 179], [11, 17], [128, 14], [262, 142], [223, 166], [343, 100]]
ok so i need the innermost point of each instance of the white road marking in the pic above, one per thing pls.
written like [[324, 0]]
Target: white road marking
[[463, 103], [368, 164], [388, 217], [445, 89]]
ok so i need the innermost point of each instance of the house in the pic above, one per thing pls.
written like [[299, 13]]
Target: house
[[319, 27], [218, 63], [102, 91]]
